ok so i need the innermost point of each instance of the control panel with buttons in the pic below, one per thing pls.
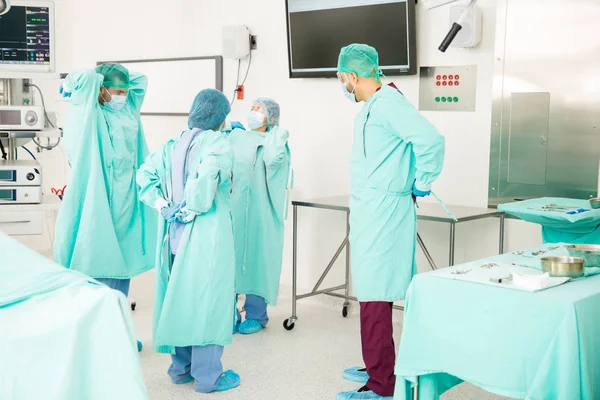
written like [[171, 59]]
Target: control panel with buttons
[[448, 88]]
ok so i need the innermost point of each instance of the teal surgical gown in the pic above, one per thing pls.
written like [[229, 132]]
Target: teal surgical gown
[[394, 145], [102, 229], [260, 181], [194, 297]]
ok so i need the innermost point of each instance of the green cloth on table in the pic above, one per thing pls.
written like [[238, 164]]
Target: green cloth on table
[[63, 335], [558, 226], [536, 346]]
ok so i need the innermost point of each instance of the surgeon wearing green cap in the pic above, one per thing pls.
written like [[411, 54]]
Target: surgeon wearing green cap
[[102, 229], [396, 156]]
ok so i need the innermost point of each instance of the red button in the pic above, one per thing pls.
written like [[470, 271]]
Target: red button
[[456, 83], [438, 83], [456, 77], [438, 77], [450, 83], [444, 83], [444, 77]]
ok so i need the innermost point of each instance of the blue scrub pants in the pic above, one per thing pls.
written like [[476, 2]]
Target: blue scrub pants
[[203, 363], [256, 309], [122, 285]]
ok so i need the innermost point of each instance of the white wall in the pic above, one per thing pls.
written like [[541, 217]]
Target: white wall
[[319, 118]]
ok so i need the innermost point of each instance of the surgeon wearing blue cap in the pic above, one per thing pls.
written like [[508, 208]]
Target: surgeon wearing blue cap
[[189, 182]]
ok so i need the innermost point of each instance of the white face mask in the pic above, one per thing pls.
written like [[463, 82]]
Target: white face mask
[[256, 120], [349, 95], [116, 103]]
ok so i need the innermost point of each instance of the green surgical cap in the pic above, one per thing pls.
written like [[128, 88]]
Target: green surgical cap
[[361, 59], [272, 109], [116, 76]]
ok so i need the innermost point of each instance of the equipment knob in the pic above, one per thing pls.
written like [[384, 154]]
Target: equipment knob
[[30, 176], [31, 118]]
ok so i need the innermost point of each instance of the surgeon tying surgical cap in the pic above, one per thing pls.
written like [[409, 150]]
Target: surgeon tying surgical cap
[[102, 229], [260, 187], [189, 181]]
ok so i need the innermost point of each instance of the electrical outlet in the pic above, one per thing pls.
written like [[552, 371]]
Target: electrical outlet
[[26, 83], [253, 43]]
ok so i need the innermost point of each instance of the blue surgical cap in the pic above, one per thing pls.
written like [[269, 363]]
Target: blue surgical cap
[[272, 109], [209, 111]]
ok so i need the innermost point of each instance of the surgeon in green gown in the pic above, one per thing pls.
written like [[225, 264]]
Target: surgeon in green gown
[[189, 181], [260, 182], [396, 156], [102, 229]]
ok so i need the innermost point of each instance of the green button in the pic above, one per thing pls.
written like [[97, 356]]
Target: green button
[[456, 99], [443, 99], [437, 99], [449, 99]]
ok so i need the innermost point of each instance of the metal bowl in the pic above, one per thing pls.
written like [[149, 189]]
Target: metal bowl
[[595, 203], [589, 252], [571, 267]]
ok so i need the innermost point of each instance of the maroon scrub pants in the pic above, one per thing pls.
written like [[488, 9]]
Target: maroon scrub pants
[[377, 337]]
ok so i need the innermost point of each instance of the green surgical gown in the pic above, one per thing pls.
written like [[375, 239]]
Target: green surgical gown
[[394, 145], [102, 229], [195, 295], [260, 181]]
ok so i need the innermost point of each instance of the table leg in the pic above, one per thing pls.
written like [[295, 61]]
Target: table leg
[[426, 252], [347, 290], [415, 391], [295, 264], [502, 220], [452, 241]]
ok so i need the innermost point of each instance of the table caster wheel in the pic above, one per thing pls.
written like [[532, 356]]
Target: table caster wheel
[[345, 311], [133, 306], [288, 324]]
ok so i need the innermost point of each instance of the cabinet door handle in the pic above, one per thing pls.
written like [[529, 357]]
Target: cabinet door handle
[[15, 222]]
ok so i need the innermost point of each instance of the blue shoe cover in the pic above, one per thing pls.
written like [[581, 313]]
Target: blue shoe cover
[[356, 374], [229, 380], [182, 381], [361, 396], [250, 326]]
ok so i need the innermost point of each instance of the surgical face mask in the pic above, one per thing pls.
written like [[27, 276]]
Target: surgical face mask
[[350, 95], [256, 120], [116, 103]]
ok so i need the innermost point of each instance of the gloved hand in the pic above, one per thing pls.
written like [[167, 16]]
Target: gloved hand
[[421, 190], [237, 125], [184, 216], [63, 91], [169, 213]]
